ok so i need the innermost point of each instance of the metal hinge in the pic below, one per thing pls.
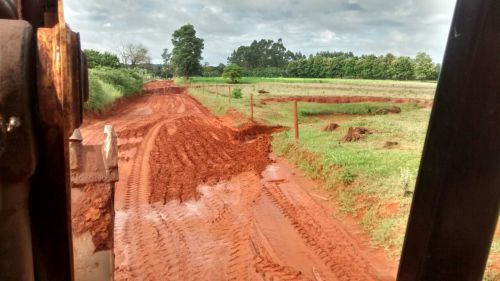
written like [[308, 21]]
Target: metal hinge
[[7, 127]]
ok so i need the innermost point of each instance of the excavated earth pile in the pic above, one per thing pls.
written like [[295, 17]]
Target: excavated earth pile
[[198, 200]]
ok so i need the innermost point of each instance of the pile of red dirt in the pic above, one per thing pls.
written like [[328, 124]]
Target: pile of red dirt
[[158, 84], [199, 152], [346, 99], [250, 131], [163, 87], [330, 127], [355, 134]]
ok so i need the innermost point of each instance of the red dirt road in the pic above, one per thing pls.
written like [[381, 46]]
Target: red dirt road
[[197, 201]]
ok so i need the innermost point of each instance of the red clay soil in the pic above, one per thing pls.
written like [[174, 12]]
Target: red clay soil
[[202, 153], [346, 99], [93, 214], [192, 203]]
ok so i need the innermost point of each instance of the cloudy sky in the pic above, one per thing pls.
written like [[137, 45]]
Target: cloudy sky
[[402, 27]]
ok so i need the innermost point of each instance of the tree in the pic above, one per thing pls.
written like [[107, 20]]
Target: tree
[[232, 72], [425, 69], [263, 54], [403, 68], [186, 55], [135, 55], [167, 63], [98, 59]]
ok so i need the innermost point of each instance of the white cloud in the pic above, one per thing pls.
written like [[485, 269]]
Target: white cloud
[[402, 27]]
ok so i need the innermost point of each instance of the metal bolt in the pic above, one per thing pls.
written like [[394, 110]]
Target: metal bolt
[[14, 122]]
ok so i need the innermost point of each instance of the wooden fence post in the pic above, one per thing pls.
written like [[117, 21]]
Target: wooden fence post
[[251, 107], [296, 120]]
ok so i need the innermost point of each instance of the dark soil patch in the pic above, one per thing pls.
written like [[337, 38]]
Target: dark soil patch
[[390, 144], [263, 92], [355, 134]]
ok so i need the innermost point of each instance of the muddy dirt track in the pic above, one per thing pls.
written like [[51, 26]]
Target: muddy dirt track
[[197, 200]]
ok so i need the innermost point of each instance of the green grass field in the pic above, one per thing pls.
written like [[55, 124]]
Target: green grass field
[[308, 87], [255, 80], [368, 179]]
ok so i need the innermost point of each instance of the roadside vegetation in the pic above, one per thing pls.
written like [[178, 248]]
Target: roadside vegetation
[[109, 80], [107, 85]]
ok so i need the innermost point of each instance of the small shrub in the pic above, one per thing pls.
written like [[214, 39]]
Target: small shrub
[[232, 72], [406, 179], [237, 93], [346, 177]]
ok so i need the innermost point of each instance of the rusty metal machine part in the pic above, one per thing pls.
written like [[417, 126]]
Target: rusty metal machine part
[[17, 149], [60, 96], [94, 171], [8, 9], [57, 86]]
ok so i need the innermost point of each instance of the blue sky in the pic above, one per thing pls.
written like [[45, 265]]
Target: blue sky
[[401, 27]]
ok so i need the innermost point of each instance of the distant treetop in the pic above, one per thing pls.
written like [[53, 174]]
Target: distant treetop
[[97, 59]]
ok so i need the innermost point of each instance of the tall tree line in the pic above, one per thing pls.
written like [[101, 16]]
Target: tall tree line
[[347, 65], [266, 58]]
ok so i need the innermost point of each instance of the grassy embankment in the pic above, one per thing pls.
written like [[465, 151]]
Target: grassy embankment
[[367, 179], [107, 84]]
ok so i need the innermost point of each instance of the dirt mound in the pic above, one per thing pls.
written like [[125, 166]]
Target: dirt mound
[[346, 99], [163, 87], [389, 110], [250, 131], [330, 127], [263, 92], [158, 84], [355, 134], [390, 144], [201, 153]]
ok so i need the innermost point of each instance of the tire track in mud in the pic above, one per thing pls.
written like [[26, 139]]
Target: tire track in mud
[[186, 204], [329, 243]]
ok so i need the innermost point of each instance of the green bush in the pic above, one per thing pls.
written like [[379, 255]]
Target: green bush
[[127, 81], [232, 72], [346, 177], [237, 94], [108, 84], [101, 93]]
